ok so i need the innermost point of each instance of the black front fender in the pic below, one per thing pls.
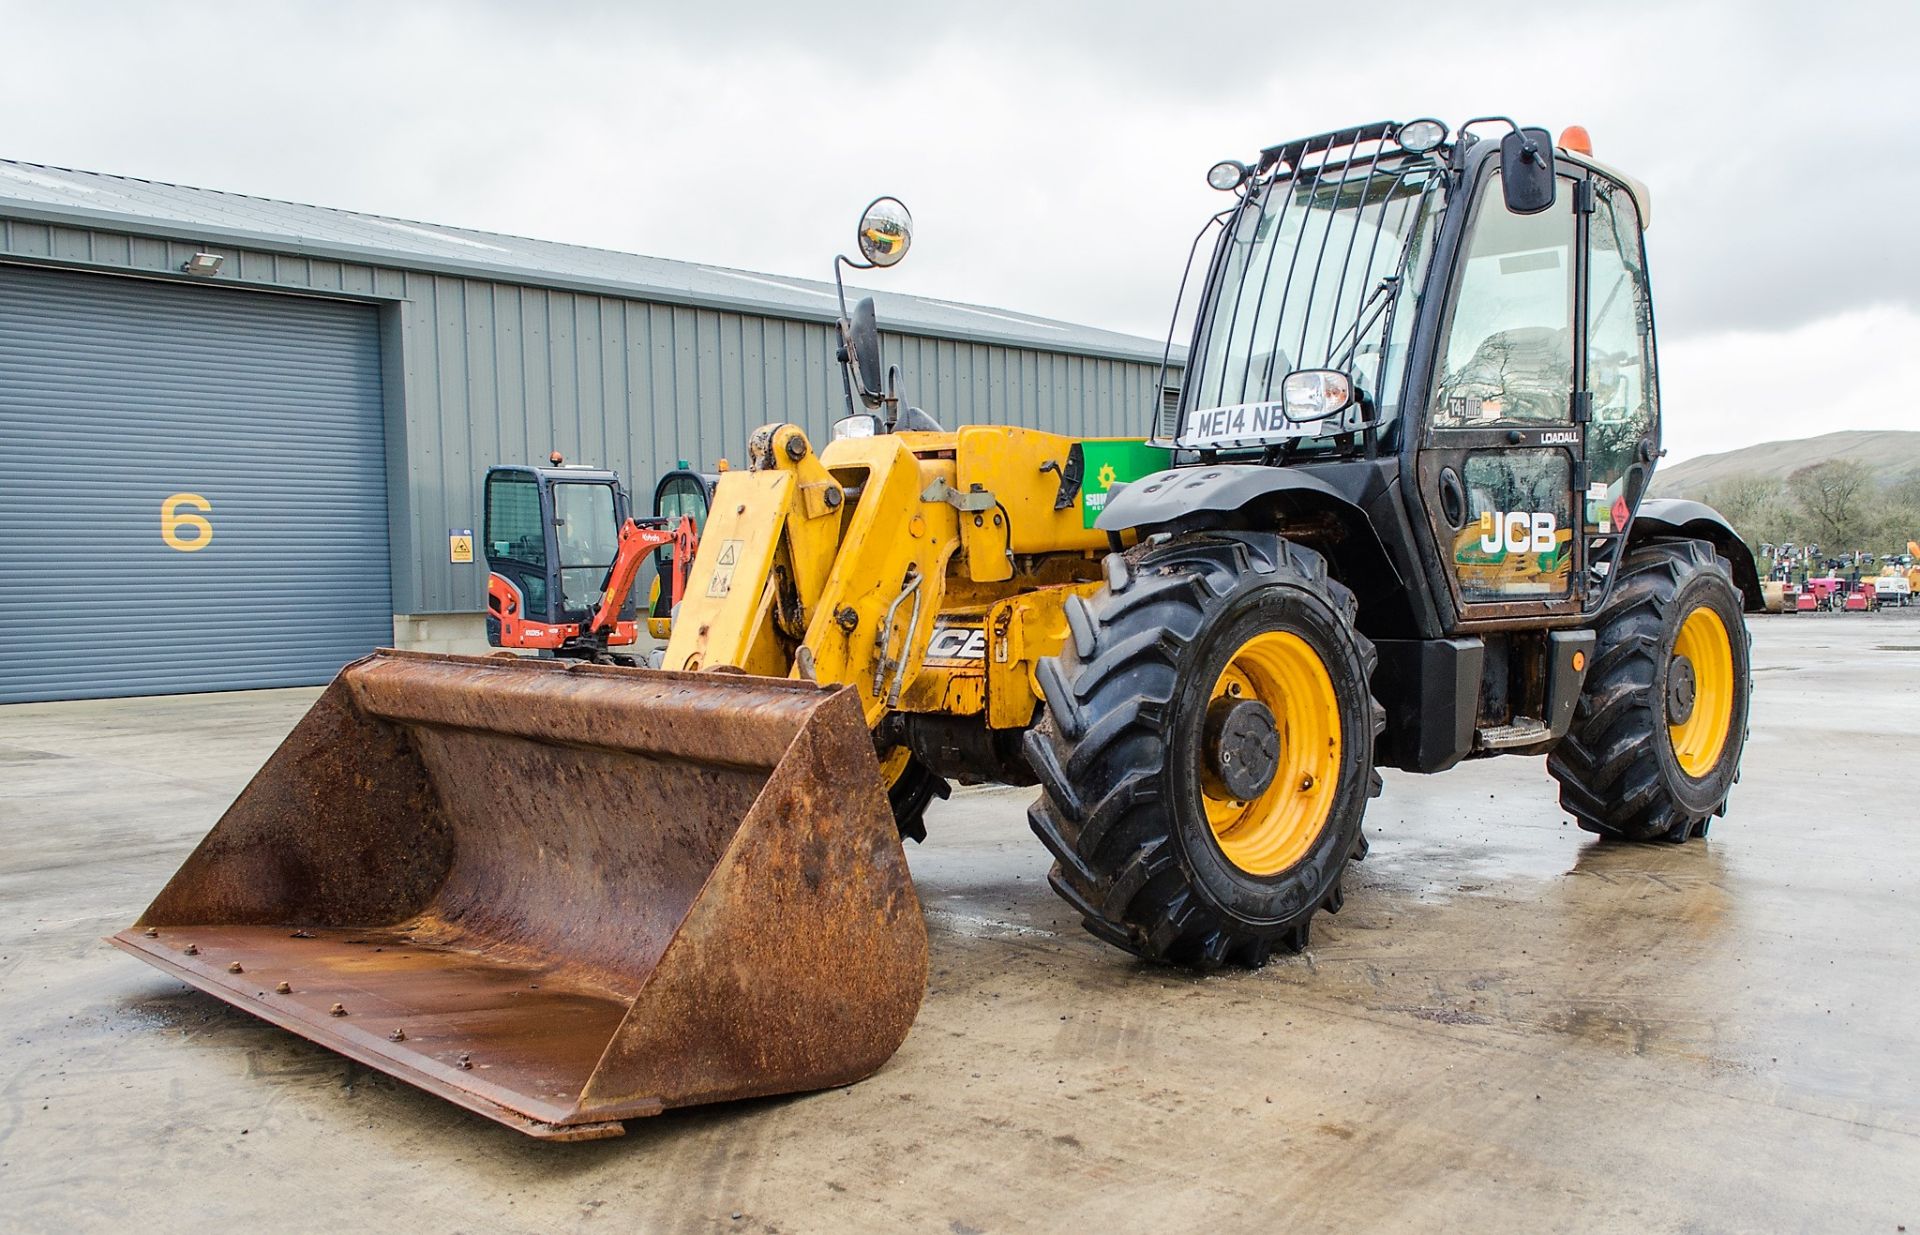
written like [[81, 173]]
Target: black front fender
[[1169, 497], [1300, 505], [1673, 516]]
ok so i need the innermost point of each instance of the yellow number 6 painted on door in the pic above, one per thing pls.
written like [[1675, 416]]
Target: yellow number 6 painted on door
[[172, 521]]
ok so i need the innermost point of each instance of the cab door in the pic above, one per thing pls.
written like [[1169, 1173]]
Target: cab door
[[517, 539], [1623, 430], [1502, 453]]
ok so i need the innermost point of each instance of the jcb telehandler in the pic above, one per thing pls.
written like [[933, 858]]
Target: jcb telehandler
[[1394, 518]]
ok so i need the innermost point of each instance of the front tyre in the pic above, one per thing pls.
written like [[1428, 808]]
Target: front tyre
[[1655, 744], [1207, 749]]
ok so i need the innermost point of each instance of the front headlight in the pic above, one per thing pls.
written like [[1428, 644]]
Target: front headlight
[[865, 424]]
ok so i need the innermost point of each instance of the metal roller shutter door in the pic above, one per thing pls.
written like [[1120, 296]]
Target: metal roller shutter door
[[117, 395]]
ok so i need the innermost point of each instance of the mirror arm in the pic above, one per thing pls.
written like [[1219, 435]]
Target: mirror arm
[[1509, 121], [846, 333], [840, 288], [846, 373], [891, 399]]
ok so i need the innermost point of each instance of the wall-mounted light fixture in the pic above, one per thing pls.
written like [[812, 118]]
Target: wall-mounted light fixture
[[203, 263]]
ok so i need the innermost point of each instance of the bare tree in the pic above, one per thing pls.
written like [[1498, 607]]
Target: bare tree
[[1897, 520], [1757, 506], [1834, 496]]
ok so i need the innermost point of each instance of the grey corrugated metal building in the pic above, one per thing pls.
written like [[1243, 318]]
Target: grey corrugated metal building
[[246, 477]]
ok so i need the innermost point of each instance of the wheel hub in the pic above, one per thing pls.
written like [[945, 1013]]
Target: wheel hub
[[1681, 689], [1240, 748]]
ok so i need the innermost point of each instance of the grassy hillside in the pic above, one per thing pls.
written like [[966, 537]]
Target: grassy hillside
[[1853, 490], [1887, 453]]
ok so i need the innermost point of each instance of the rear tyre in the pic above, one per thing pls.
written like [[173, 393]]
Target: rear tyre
[[1655, 744], [1206, 753], [911, 788]]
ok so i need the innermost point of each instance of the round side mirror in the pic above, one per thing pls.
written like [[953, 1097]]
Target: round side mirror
[[1315, 394], [886, 231]]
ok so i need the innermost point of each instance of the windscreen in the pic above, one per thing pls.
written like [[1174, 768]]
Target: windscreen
[[1310, 274], [679, 496]]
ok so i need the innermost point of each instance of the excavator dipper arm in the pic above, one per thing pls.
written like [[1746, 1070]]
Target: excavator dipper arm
[[638, 538]]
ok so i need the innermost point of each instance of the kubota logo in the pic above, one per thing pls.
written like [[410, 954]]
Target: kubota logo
[[1518, 531]]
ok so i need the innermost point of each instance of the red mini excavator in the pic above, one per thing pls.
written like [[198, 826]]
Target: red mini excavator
[[563, 555]]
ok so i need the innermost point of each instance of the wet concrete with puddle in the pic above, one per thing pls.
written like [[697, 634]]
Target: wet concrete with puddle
[[1511, 1027]]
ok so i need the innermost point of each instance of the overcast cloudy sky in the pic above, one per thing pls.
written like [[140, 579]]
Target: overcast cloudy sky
[[1053, 154]]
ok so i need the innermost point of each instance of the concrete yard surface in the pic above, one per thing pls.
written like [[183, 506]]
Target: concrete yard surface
[[1510, 1027]]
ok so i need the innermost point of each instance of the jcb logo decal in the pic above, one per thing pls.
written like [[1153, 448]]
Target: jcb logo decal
[[1518, 531], [957, 643], [173, 522]]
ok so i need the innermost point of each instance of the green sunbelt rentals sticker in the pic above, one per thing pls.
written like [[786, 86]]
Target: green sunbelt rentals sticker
[[1114, 461]]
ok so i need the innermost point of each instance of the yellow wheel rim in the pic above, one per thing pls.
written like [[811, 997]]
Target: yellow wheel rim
[[1699, 739], [1276, 829], [892, 764]]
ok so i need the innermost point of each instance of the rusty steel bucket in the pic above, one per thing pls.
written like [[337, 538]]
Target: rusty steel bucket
[[562, 895]]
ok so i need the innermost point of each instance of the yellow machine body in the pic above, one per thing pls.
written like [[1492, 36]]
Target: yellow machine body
[[925, 570]]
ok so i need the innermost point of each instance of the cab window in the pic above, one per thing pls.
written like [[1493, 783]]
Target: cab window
[[1620, 361], [588, 537], [514, 531], [1508, 351]]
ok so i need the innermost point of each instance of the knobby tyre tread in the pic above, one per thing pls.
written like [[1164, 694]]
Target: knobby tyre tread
[[1128, 854]]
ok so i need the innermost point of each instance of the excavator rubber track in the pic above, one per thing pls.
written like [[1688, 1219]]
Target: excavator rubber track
[[562, 895]]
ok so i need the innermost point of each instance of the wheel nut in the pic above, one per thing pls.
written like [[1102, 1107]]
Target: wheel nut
[[1306, 783], [338, 1009]]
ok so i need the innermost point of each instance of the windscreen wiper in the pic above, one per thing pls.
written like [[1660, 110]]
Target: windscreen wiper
[[1364, 317]]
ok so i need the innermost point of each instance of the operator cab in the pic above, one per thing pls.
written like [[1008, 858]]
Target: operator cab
[[1464, 317], [550, 535], [684, 491], [551, 538], [681, 492]]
